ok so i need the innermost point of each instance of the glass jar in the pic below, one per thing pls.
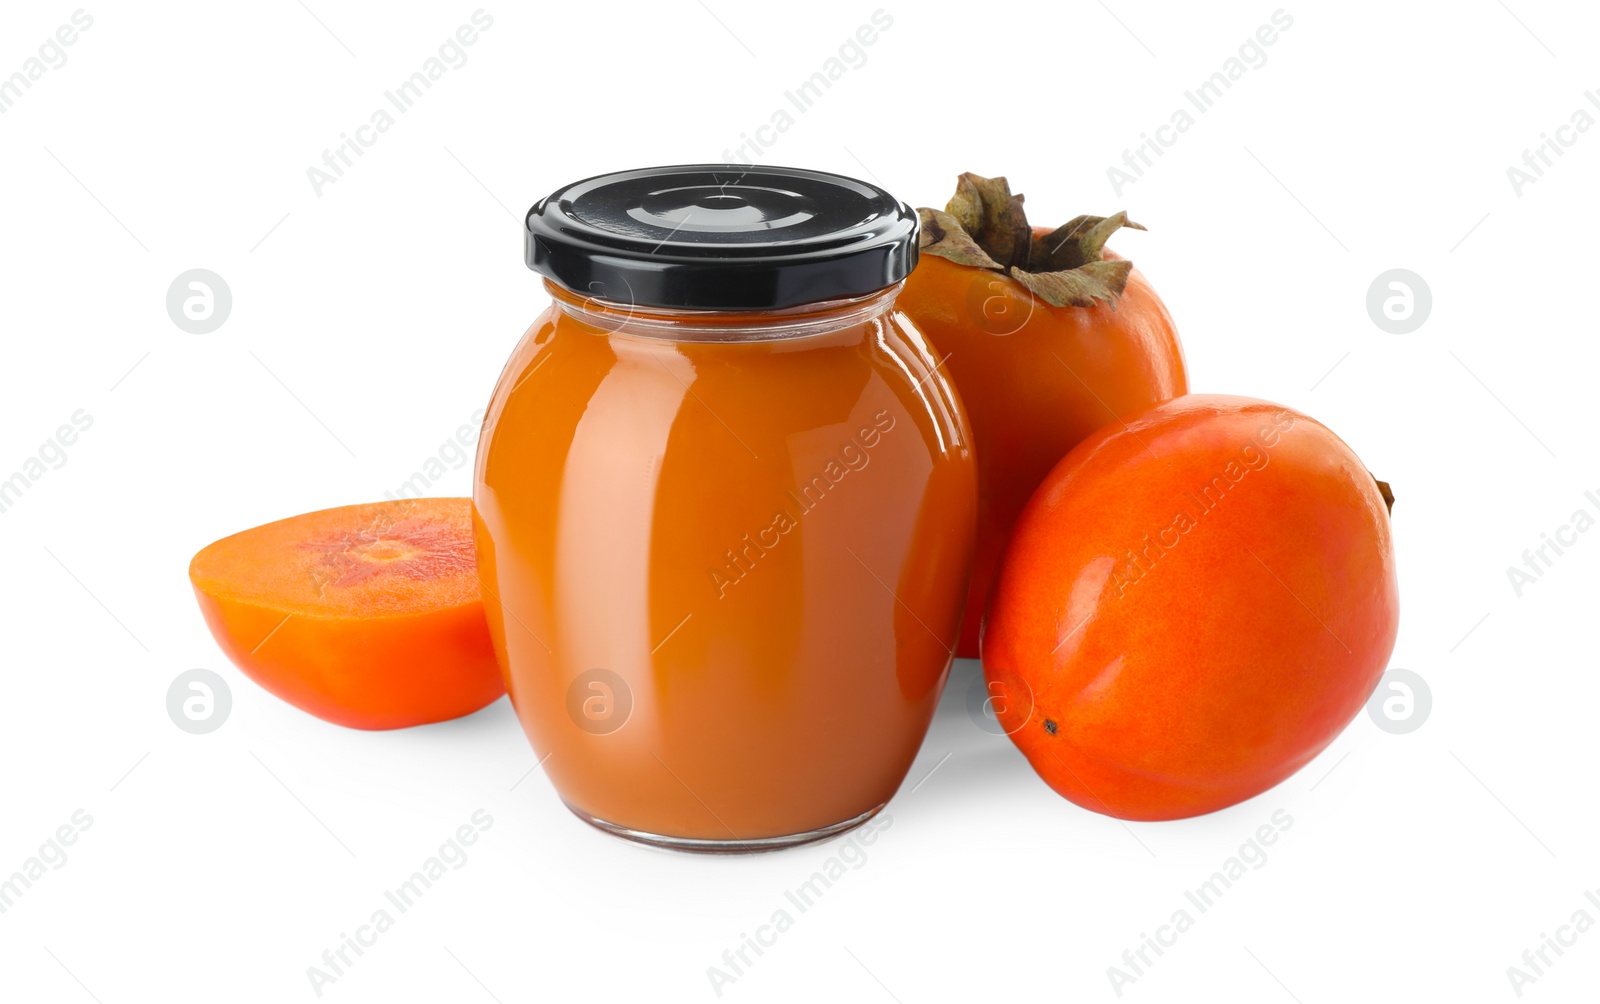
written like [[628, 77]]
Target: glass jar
[[724, 506]]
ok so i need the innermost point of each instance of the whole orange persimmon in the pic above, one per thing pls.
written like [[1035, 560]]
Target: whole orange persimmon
[[1194, 604], [1047, 336]]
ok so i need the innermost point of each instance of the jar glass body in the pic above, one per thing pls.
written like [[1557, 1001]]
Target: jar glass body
[[724, 558]]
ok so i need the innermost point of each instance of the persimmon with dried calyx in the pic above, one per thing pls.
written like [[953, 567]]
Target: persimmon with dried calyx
[[1047, 335], [367, 615], [1194, 604]]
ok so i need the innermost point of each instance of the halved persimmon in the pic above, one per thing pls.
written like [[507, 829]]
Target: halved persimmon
[[366, 615]]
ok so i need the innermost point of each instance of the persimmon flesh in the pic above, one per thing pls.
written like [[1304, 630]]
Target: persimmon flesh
[[1194, 604], [366, 616]]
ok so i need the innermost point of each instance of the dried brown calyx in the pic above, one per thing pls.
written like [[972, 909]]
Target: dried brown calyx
[[1388, 495], [983, 226]]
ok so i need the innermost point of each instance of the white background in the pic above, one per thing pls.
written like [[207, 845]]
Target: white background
[[370, 321]]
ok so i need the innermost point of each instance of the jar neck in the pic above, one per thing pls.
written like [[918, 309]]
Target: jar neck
[[679, 325]]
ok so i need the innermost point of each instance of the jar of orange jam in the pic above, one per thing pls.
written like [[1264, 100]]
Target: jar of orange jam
[[724, 506]]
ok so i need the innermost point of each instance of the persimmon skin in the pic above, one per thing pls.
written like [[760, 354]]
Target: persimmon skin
[[1153, 672], [387, 674], [379, 653], [1035, 380]]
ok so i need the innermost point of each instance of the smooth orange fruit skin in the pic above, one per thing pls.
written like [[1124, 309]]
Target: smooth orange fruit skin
[[405, 645], [1196, 603], [1035, 380]]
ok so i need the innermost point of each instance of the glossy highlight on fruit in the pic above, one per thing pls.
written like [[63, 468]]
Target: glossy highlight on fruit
[[1047, 335], [1193, 606], [366, 616]]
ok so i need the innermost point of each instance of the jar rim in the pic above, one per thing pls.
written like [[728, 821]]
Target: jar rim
[[695, 324]]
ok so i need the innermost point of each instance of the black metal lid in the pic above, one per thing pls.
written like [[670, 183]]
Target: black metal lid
[[722, 237]]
